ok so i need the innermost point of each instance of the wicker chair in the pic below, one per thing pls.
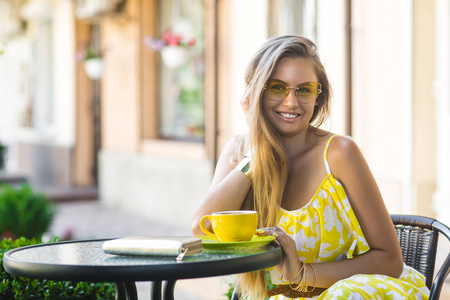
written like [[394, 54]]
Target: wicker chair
[[418, 238]]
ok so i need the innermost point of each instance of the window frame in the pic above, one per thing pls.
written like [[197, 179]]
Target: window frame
[[151, 142]]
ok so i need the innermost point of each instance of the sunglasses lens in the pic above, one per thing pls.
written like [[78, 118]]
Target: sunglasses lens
[[307, 91], [276, 90]]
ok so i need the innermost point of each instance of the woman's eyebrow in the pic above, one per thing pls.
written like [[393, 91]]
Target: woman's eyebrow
[[307, 83], [278, 80]]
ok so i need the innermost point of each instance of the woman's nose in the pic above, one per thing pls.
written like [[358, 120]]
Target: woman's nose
[[291, 99]]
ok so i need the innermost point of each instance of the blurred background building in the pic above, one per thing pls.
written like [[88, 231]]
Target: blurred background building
[[91, 98]]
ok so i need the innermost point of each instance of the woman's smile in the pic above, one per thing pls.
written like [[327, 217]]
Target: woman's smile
[[289, 117]]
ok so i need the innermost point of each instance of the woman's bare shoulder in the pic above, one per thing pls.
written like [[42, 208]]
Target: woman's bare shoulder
[[233, 148], [234, 143], [344, 153], [342, 145]]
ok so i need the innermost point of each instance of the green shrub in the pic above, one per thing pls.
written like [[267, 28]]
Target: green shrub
[[24, 212], [21, 288]]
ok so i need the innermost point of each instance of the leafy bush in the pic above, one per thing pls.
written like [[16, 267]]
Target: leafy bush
[[21, 288], [24, 212]]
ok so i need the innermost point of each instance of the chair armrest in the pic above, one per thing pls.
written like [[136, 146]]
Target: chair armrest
[[444, 270]]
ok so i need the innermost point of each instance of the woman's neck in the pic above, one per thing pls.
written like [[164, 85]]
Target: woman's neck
[[300, 143]]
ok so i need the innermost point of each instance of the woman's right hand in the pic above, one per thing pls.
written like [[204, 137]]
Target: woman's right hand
[[290, 264]]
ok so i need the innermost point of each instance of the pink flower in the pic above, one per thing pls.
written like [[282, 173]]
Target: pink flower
[[171, 39], [168, 38], [191, 42]]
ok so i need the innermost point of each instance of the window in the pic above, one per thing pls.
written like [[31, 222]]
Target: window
[[181, 71]]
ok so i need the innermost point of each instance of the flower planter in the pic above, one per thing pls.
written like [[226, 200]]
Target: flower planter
[[175, 56], [94, 68]]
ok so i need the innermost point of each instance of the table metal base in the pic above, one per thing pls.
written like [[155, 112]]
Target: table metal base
[[126, 291], [168, 290], [159, 290]]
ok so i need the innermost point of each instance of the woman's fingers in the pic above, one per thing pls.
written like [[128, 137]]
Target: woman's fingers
[[279, 234], [267, 231], [285, 241]]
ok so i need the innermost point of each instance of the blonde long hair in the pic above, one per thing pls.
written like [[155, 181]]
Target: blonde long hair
[[269, 157]]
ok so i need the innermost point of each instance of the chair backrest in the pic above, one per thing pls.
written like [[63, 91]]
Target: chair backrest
[[418, 240]]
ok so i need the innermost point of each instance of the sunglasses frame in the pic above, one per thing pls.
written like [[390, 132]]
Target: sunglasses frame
[[319, 90]]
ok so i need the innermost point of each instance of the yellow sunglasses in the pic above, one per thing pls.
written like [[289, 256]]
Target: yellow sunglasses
[[305, 92]]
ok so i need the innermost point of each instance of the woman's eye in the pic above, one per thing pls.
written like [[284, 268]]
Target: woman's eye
[[303, 90], [277, 88]]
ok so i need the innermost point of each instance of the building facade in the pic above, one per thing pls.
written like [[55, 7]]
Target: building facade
[[149, 133]]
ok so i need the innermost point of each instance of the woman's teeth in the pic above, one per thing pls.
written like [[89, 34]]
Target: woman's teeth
[[288, 116]]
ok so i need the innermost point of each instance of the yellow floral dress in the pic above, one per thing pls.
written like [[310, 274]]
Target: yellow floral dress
[[326, 230]]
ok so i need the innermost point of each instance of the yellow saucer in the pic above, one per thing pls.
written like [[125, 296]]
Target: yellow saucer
[[210, 244]]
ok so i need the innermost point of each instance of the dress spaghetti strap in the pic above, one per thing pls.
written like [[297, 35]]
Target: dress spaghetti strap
[[327, 166]]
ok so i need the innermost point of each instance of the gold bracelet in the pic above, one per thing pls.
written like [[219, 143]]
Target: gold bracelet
[[298, 286], [296, 274], [315, 278], [305, 279], [302, 285]]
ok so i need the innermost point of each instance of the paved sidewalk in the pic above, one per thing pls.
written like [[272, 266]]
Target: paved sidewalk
[[91, 220]]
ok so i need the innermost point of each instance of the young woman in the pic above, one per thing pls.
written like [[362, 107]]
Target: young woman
[[313, 190]]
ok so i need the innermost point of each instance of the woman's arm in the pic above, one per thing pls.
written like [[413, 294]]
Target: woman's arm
[[384, 257], [228, 189]]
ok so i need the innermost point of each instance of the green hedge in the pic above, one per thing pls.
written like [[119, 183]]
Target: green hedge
[[23, 212], [21, 288]]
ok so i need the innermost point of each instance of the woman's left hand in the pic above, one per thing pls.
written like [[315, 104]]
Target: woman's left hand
[[290, 264]]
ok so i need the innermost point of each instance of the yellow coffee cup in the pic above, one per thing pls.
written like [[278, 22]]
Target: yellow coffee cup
[[231, 226]]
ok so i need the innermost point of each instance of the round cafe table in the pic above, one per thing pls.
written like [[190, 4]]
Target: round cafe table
[[85, 260]]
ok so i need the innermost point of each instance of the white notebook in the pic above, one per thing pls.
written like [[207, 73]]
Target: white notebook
[[156, 246]]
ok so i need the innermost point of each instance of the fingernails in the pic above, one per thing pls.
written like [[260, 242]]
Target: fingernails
[[275, 234]]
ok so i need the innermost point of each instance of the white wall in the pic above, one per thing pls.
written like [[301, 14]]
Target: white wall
[[382, 100], [64, 72], [441, 204], [331, 47], [167, 189], [249, 33]]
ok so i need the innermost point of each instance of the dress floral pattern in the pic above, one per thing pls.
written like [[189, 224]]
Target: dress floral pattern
[[326, 230]]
